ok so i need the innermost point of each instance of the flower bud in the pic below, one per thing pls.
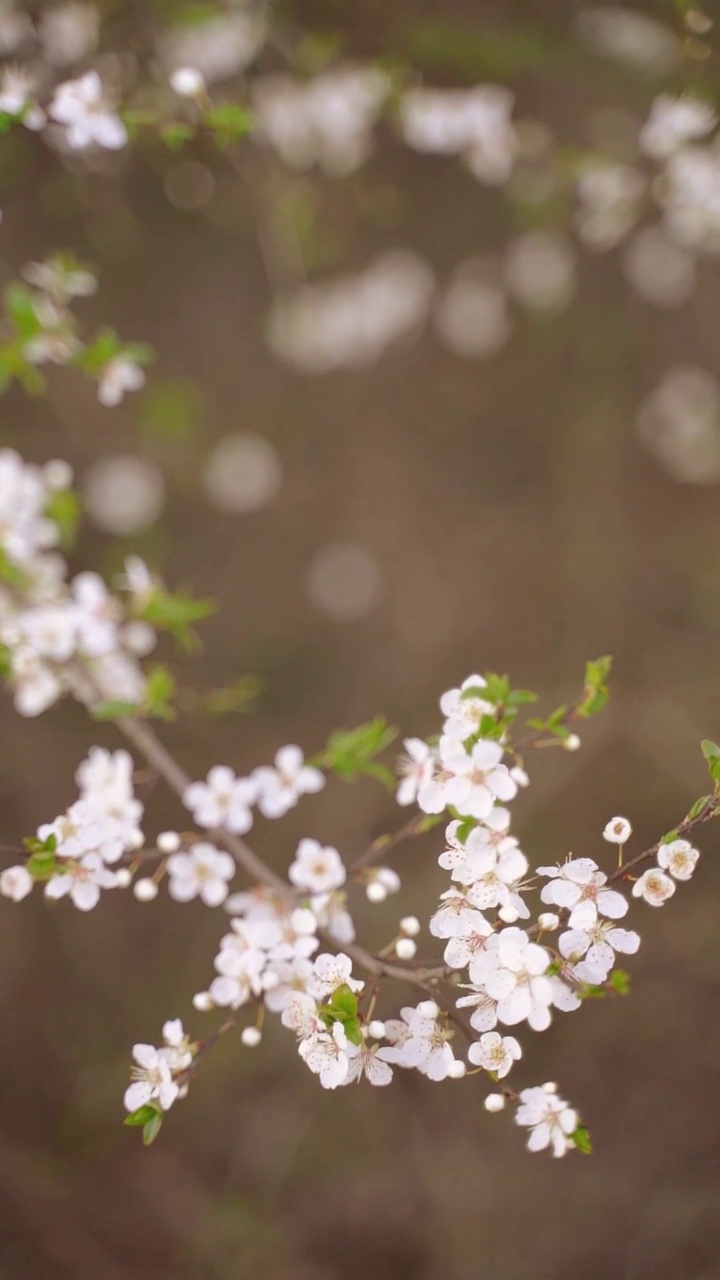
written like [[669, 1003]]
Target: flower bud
[[376, 892], [572, 742], [456, 1069], [251, 1037], [495, 1102], [203, 1002], [123, 878], [168, 842], [188, 82], [145, 890], [428, 1009], [376, 1029], [548, 921], [410, 926], [405, 949]]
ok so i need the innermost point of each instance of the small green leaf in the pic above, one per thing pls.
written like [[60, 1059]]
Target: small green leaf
[[239, 696], [140, 1116], [710, 750], [159, 691], [175, 613], [581, 1139], [350, 751], [343, 1001], [595, 691], [698, 807], [113, 710], [353, 1031], [670, 836], [64, 510], [620, 981], [42, 866], [152, 1128]]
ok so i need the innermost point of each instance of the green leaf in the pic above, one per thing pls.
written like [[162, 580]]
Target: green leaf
[[152, 1128], [710, 750], [42, 866], [159, 691], [20, 308], [353, 1031], [240, 695], [176, 135], [670, 836], [350, 751], [698, 807], [344, 1001], [466, 826], [582, 1141], [140, 1116], [595, 691], [64, 510], [113, 710], [228, 122], [620, 981], [5, 662], [175, 612]]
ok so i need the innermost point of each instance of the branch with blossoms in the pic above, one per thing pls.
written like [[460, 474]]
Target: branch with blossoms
[[288, 947], [319, 115], [38, 329]]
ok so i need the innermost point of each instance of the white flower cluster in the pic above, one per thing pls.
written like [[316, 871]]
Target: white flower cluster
[[510, 976], [160, 1076], [326, 121], [224, 800], [59, 636], [676, 860], [474, 123], [92, 836], [351, 321], [55, 283]]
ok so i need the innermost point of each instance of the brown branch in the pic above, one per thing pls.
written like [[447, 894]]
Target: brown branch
[[384, 843]]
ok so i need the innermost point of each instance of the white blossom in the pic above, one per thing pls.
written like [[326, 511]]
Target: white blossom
[[188, 82], [495, 1053], [512, 970], [317, 868], [325, 1053], [331, 972], [81, 107], [369, 1061], [16, 883], [578, 886], [117, 377], [280, 787], [152, 1079], [597, 945], [473, 122], [176, 1045], [678, 858], [420, 1041], [203, 872], [83, 881], [476, 778], [457, 917], [464, 708], [673, 122], [223, 800], [654, 886], [550, 1120], [617, 831], [416, 768]]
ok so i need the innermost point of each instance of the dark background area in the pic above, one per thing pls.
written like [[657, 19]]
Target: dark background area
[[518, 524]]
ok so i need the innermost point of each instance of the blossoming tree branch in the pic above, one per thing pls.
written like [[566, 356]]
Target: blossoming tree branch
[[516, 944]]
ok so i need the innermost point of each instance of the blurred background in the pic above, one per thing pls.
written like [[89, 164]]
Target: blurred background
[[517, 478]]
